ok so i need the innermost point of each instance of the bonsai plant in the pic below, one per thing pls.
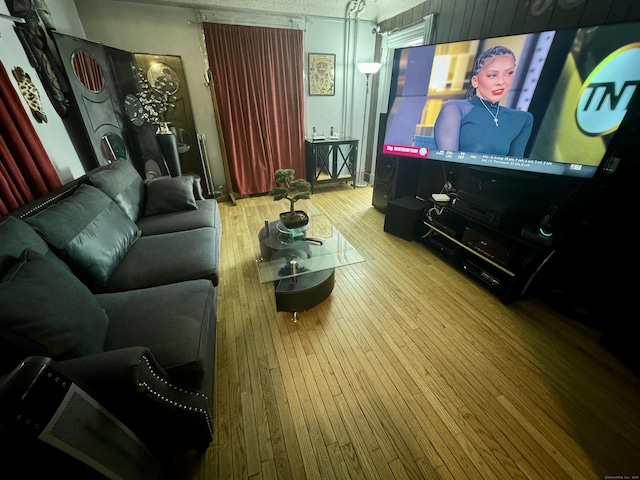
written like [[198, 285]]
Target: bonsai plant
[[293, 190]]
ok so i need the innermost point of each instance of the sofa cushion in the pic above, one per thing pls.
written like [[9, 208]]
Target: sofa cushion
[[207, 215], [122, 183], [47, 311], [15, 236], [168, 258], [92, 233], [176, 322], [169, 194], [197, 184]]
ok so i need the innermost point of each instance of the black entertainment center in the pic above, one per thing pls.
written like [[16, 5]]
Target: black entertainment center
[[493, 232], [471, 238], [501, 228]]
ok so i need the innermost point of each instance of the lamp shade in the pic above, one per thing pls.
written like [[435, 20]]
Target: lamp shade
[[369, 67]]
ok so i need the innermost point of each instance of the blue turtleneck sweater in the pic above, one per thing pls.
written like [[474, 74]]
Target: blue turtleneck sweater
[[467, 126]]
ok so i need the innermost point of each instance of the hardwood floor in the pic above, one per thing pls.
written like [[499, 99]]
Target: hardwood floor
[[408, 370]]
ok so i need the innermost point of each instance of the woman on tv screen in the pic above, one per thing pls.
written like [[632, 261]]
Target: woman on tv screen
[[478, 123]]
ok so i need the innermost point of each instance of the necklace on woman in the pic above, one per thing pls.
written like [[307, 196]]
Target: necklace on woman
[[495, 117]]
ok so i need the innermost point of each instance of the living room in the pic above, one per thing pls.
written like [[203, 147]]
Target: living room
[[409, 369]]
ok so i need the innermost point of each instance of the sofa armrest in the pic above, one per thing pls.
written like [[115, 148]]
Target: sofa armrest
[[50, 426], [129, 382]]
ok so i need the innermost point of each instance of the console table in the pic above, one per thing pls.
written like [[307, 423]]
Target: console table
[[331, 161]]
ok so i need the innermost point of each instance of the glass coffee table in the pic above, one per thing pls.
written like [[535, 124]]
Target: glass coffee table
[[300, 262]]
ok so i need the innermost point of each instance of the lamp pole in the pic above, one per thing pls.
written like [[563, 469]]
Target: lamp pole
[[368, 68]]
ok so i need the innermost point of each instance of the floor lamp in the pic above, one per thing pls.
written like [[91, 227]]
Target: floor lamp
[[368, 68]]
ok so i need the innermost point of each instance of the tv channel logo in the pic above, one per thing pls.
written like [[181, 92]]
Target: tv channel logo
[[607, 91]]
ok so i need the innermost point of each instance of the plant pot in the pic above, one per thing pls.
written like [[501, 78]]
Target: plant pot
[[299, 219]]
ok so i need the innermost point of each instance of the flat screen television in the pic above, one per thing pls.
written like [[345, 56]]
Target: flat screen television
[[576, 85]]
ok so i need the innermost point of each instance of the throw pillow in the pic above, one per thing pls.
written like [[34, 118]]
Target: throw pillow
[[197, 189], [169, 194], [47, 311], [15, 236], [124, 185], [92, 233]]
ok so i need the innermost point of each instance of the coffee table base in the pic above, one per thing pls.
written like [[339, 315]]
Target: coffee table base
[[303, 292]]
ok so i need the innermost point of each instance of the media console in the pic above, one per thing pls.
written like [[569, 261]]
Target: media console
[[501, 260]]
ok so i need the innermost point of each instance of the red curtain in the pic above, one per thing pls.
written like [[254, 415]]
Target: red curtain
[[257, 72], [26, 171]]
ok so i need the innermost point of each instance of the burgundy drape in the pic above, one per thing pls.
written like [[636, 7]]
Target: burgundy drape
[[26, 171], [257, 72]]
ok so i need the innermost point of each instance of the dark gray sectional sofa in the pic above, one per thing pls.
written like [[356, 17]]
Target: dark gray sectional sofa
[[114, 280]]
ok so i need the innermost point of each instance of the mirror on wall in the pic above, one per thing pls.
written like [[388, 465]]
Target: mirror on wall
[[88, 71], [133, 109], [184, 138], [113, 147]]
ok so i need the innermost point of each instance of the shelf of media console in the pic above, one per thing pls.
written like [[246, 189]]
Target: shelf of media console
[[470, 250], [509, 283]]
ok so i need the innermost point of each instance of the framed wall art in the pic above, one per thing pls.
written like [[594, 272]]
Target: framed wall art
[[322, 74]]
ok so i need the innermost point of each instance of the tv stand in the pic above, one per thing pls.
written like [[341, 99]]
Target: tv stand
[[504, 262]]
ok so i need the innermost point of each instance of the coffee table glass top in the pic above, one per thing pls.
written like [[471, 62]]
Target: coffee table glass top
[[318, 247]]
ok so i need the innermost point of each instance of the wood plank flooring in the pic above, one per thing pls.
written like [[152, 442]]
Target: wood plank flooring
[[408, 371]]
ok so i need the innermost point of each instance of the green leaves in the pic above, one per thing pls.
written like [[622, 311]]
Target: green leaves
[[278, 193], [294, 189]]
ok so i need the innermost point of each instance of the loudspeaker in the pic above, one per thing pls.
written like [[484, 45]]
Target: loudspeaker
[[65, 430], [395, 177], [405, 216]]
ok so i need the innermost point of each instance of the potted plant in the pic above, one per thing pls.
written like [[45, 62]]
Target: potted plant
[[293, 190]]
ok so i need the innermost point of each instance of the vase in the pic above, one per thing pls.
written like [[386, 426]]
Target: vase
[[168, 144]]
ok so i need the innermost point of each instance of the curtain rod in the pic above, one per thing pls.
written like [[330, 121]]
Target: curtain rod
[[15, 19]]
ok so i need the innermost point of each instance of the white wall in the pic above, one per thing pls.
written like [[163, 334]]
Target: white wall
[[345, 110], [168, 30], [53, 133], [65, 17]]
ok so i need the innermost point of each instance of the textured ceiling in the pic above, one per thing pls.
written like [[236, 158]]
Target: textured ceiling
[[373, 9]]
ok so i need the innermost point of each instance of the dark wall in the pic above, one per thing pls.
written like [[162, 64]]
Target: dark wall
[[471, 19], [587, 278]]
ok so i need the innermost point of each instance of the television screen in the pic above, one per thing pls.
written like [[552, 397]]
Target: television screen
[[547, 102]]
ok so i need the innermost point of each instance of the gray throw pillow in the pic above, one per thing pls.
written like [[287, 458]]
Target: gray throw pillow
[[47, 311], [15, 236], [92, 233], [122, 183], [197, 189], [169, 194]]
